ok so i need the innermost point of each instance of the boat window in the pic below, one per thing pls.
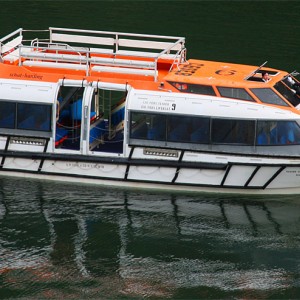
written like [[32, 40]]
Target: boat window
[[181, 129], [194, 88], [292, 94], [156, 126], [277, 133], [7, 114], [292, 83], [148, 126], [178, 127], [34, 116], [27, 116], [267, 95], [237, 93], [239, 132], [188, 129], [139, 125], [192, 129], [199, 129]]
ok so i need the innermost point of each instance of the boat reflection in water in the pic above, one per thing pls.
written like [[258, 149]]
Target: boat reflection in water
[[86, 241]]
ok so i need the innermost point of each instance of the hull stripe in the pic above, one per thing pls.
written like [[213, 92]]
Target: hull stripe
[[42, 160], [128, 164], [273, 177], [252, 175], [226, 174], [5, 150], [178, 167]]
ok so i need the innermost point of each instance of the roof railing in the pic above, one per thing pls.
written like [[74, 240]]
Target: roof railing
[[100, 51], [11, 41], [153, 47]]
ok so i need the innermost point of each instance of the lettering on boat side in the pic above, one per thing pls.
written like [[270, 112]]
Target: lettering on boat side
[[26, 76], [84, 165], [157, 105], [295, 172], [189, 70]]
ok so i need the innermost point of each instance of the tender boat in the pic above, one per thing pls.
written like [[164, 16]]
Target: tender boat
[[127, 109]]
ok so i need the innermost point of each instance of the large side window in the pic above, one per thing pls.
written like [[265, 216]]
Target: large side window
[[239, 132], [277, 133], [7, 114], [181, 129], [34, 116], [178, 129], [236, 93], [25, 116], [199, 130], [148, 126], [267, 95], [157, 128], [139, 125], [187, 129]]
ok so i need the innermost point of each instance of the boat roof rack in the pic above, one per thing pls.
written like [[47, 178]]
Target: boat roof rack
[[94, 51]]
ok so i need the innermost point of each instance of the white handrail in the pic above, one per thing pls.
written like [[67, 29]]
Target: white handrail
[[11, 34], [116, 44], [115, 33], [7, 37]]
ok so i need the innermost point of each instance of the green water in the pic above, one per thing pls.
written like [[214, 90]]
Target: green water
[[76, 242]]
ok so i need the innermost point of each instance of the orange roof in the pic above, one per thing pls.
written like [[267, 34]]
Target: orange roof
[[221, 74]]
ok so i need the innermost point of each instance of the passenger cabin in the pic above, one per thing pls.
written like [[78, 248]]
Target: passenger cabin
[[100, 93]]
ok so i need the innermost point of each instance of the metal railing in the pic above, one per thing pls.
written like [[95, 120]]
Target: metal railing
[[88, 45]]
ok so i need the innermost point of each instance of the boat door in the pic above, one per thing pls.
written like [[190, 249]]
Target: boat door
[[104, 113], [68, 129]]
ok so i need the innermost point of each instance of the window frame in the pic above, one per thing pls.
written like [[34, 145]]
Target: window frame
[[234, 97], [185, 87], [34, 117], [274, 92], [236, 127], [288, 94]]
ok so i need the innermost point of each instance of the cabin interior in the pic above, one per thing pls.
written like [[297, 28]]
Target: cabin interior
[[106, 119]]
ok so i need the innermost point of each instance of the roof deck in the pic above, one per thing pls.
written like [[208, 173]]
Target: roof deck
[[93, 52], [224, 73]]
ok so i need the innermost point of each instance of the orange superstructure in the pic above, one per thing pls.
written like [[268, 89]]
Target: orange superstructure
[[144, 62]]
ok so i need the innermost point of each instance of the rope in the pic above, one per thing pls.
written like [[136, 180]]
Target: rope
[[67, 127]]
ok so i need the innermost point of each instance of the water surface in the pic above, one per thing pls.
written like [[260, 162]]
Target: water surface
[[71, 241]]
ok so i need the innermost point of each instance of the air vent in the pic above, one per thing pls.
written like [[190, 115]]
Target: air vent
[[160, 152]]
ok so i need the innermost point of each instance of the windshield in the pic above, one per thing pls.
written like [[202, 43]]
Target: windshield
[[267, 95], [289, 88]]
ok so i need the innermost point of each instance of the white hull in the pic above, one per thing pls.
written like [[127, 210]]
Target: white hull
[[234, 178]]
